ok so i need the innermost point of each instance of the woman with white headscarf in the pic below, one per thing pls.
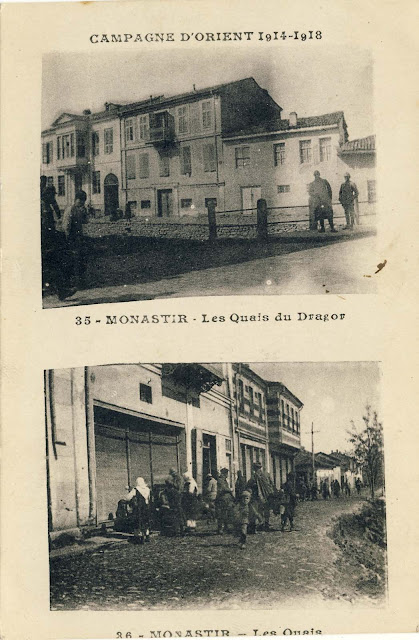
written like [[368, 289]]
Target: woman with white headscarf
[[190, 502], [139, 499]]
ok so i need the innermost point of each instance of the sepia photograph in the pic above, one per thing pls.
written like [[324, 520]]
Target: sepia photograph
[[240, 171], [215, 486]]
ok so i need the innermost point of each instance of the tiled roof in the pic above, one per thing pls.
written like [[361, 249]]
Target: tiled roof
[[361, 144], [189, 94], [271, 126]]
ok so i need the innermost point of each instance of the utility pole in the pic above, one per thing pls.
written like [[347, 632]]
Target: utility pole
[[312, 450]]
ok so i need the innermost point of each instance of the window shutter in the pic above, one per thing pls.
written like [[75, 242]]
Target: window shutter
[[195, 119]]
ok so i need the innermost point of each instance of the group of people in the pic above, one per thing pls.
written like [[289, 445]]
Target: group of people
[[320, 203], [63, 250], [179, 504], [336, 489]]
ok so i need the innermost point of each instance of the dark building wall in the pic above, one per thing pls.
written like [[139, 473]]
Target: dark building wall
[[245, 103]]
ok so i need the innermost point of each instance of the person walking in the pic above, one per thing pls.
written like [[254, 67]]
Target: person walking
[[240, 485], [290, 503], [210, 494], [325, 490], [262, 489], [358, 486], [190, 501], [244, 509], [224, 503], [320, 203], [139, 500], [171, 513], [348, 197]]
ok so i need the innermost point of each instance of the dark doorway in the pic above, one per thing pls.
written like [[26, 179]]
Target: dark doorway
[[78, 182], [164, 203], [209, 455], [111, 194]]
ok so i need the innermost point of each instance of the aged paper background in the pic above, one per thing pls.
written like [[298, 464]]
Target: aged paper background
[[378, 328]]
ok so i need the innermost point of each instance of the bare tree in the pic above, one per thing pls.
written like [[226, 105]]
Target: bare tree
[[368, 448]]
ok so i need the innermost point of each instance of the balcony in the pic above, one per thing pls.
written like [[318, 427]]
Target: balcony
[[162, 129]]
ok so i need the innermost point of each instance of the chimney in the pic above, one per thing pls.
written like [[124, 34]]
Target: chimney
[[293, 119]]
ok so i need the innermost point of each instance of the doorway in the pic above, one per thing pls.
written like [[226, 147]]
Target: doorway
[[209, 455], [111, 194], [250, 196], [164, 203]]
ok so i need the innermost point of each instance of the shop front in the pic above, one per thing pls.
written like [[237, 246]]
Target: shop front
[[129, 444]]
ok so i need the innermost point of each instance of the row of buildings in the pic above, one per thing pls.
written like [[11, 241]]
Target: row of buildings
[[107, 425], [167, 157]]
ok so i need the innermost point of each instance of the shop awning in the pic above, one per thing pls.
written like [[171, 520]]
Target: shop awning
[[139, 414]]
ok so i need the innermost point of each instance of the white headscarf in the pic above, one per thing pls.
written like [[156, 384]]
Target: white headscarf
[[188, 477], [143, 489]]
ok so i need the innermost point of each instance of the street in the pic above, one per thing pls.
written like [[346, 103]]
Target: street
[[277, 569], [336, 267]]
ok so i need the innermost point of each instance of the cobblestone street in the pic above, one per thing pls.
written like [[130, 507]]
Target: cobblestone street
[[298, 568]]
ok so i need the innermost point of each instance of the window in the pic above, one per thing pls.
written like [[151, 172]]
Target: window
[[305, 151], [325, 149], [61, 185], [129, 129], [279, 153], [58, 147], [143, 120], [131, 175], [47, 152], [95, 143], [96, 181], [108, 134], [186, 203], [50, 181], [209, 157], [145, 204], [185, 161], [81, 145], [206, 114], [164, 165], [371, 191], [284, 188], [146, 393], [242, 156], [240, 393], [251, 399], [67, 146], [183, 119], [144, 166]]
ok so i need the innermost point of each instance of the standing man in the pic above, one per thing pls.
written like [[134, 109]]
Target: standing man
[[72, 225], [348, 197], [320, 203], [262, 489]]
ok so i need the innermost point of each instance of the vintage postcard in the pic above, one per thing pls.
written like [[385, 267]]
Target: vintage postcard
[[209, 319]]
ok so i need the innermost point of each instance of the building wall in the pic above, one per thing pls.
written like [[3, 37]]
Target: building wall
[[106, 163], [196, 186], [67, 451], [292, 177]]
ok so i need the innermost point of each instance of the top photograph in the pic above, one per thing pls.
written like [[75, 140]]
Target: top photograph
[[204, 172]]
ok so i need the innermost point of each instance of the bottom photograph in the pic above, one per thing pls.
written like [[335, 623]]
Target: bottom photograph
[[215, 486]]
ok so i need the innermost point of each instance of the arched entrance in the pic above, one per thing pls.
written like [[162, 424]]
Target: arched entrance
[[111, 194]]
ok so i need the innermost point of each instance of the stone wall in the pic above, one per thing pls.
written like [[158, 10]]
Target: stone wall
[[229, 225]]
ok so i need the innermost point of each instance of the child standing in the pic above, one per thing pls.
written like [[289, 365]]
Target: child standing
[[244, 509]]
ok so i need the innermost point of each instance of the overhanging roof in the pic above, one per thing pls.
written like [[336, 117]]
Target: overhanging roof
[[138, 414]]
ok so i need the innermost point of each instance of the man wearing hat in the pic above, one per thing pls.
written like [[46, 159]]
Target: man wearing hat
[[261, 487], [348, 196], [320, 203]]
